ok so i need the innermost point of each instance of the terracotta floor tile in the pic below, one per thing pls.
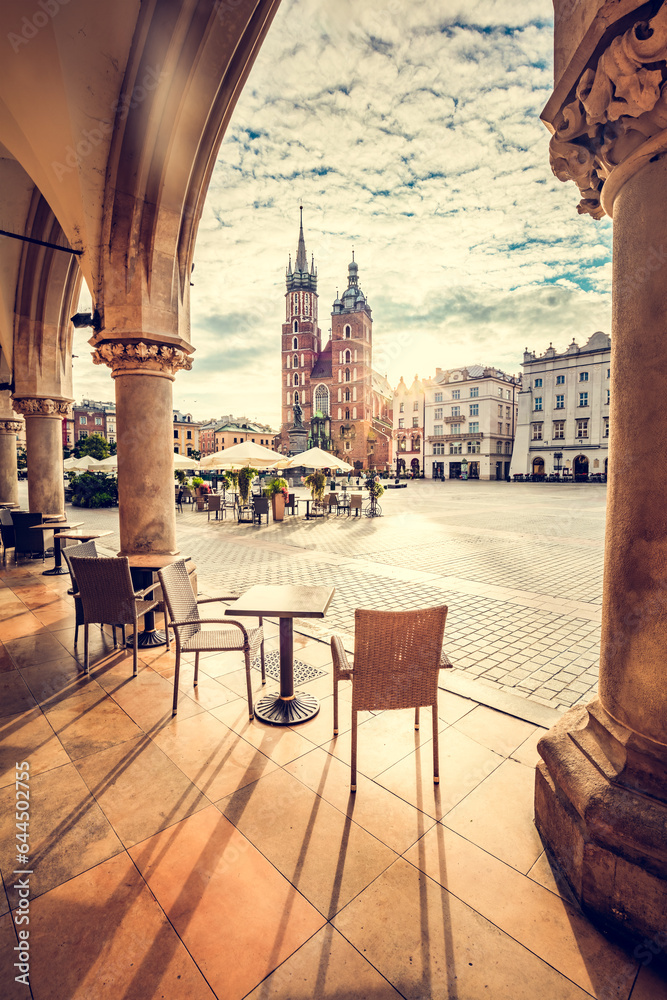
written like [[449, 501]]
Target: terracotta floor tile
[[547, 874], [498, 816], [452, 707], [52, 681], [319, 729], [383, 739], [527, 752], [11, 990], [56, 615], [15, 697], [147, 698], [327, 856], [20, 625], [6, 662], [35, 649], [196, 869], [463, 764], [68, 831], [431, 946], [28, 737], [280, 743], [87, 721], [326, 968], [384, 815], [139, 789], [138, 955], [12, 606], [495, 730], [99, 642], [224, 664], [39, 595], [216, 759], [535, 917], [210, 693], [651, 982]]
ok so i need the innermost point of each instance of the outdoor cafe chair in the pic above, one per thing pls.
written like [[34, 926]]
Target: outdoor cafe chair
[[260, 509], [214, 505], [356, 502], [26, 541], [292, 505], [331, 501], [397, 656], [179, 501], [186, 622], [7, 533], [85, 550], [108, 595]]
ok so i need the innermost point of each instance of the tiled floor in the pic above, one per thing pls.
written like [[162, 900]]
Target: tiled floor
[[209, 856]]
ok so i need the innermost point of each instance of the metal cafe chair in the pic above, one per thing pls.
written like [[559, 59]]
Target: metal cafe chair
[[260, 509], [7, 533], [397, 656], [29, 542]]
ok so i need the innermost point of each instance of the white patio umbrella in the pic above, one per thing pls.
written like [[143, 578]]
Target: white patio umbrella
[[241, 455], [84, 464], [316, 458], [185, 462], [108, 463]]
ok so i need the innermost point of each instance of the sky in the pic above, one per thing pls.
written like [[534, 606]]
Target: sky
[[409, 132]]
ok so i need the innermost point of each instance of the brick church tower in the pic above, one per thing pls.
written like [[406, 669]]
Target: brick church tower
[[301, 338]]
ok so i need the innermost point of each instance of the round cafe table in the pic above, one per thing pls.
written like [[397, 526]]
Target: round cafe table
[[72, 534], [142, 568]]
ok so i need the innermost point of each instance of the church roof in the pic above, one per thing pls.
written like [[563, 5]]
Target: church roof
[[380, 384], [322, 367], [301, 259]]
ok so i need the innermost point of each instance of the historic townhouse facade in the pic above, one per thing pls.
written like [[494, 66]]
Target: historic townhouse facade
[[343, 403], [564, 410], [91, 417], [470, 422], [408, 429], [186, 433]]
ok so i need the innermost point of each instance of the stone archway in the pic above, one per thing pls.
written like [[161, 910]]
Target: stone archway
[[538, 466], [580, 466]]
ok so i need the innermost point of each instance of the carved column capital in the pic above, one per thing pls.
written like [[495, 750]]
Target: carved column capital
[[38, 406], [10, 426], [140, 358], [617, 119]]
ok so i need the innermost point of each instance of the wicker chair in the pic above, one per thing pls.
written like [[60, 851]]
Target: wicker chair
[[292, 505], [214, 504], [107, 595], [27, 541], [331, 501], [356, 503], [191, 638], [260, 509], [7, 532], [179, 501], [84, 550], [397, 655]]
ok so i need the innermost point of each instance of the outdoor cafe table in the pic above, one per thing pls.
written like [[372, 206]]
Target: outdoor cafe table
[[70, 533], [285, 602], [320, 512], [144, 566], [50, 526]]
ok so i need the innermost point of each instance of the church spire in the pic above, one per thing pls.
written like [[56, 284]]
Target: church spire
[[301, 259]]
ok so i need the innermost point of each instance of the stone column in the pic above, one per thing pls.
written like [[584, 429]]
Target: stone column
[[44, 447], [9, 428], [143, 373], [601, 789]]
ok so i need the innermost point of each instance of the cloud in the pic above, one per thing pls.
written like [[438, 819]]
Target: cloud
[[411, 132]]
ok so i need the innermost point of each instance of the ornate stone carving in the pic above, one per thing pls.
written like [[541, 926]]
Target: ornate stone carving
[[10, 426], [31, 406], [122, 357], [619, 104]]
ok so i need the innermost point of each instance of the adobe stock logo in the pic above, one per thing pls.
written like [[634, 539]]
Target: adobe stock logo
[[30, 26]]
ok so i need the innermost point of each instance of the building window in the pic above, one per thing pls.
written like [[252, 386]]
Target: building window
[[456, 429], [606, 427], [98, 421], [474, 392], [474, 427], [189, 435], [176, 435], [295, 344], [583, 376], [500, 411], [537, 432], [508, 394], [473, 447], [583, 399], [322, 400], [456, 394], [401, 407], [438, 413], [346, 395], [439, 448], [474, 409], [559, 430], [296, 397], [296, 327], [437, 430], [456, 411], [348, 358], [538, 402], [608, 372], [500, 393], [438, 397], [296, 380], [295, 362], [455, 449], [347, 374], [415, 405], [507, 429], [500, 427], [607, 397], [499, 447], [508, 447], [347, 414], [560, 380], [354, 413], [582, 429], [82, 420], [538, 383], [401, 423], [348, 331], [415, 421], [560, 402]]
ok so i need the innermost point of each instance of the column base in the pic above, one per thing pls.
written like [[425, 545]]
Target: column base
[[601, 809]]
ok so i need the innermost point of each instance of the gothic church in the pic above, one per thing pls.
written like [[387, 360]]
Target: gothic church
[[346, 405]]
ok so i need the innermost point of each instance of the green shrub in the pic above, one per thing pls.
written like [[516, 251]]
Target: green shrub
[[94, 489]]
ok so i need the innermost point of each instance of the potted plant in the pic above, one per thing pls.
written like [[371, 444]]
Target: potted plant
[[316, 483], [245, 478], [277, 491]]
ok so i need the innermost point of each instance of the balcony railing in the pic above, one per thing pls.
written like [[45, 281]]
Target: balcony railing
[[466, 436]]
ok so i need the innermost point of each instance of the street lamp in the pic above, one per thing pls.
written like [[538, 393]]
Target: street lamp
[[558, 455]]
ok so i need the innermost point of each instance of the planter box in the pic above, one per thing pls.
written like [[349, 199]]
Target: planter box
[[278, 507]]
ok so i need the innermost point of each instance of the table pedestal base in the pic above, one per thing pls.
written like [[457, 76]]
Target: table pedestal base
[[279, 711], [56, 571], [148, 638]]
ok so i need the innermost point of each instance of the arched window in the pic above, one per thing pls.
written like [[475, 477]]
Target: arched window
[[340, 413], [296, 327], [347, 395], [354, 413], [347, 374], [347, 414], [348, 331], [295, 342], [322, 400], [296, 398], [296, 361], [296, 379], [348, 357]]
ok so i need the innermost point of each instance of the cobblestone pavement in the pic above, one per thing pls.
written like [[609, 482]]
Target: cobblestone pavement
[[519, 565]]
